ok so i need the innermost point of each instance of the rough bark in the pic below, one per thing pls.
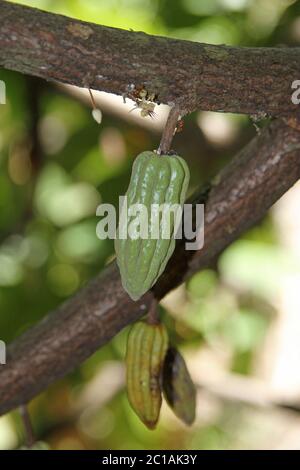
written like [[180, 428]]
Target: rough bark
[[188, 74], [240, 196]]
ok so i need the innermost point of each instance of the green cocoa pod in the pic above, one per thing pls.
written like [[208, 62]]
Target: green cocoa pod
[[156, 181], [146, 349], [178, 387]]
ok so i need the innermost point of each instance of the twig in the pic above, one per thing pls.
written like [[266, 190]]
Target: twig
[[35, 154], [29, 435], [246, 391], [92, 99], [34, 87]]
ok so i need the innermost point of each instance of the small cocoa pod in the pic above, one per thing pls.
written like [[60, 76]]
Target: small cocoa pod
[[146, 349], [156, 182], [178, 387]]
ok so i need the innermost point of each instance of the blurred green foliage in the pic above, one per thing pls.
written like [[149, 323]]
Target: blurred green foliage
[[49, 248]]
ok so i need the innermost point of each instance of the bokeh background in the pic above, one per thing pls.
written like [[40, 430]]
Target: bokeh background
[[238, 325]]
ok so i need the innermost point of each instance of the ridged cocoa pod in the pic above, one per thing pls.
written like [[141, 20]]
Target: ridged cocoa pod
[[154, 180], [146, 349], [178, 387]]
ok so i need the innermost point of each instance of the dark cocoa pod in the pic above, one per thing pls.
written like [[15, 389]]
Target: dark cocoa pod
[[178, 387]]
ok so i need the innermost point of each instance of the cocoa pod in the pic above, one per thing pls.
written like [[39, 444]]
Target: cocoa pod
[[178, 387], [155, 180], [146, 349]]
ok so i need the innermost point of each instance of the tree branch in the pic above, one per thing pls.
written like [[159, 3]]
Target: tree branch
[[239, 197], [183, 73]]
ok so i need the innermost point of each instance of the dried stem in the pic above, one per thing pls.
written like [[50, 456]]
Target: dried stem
[[169, 131]]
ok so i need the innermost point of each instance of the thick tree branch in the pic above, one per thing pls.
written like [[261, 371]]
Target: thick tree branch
[[240, 196], [187, 74]]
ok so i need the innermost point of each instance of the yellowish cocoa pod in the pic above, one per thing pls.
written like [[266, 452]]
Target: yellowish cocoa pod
[[178, 387], [146, 349]]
